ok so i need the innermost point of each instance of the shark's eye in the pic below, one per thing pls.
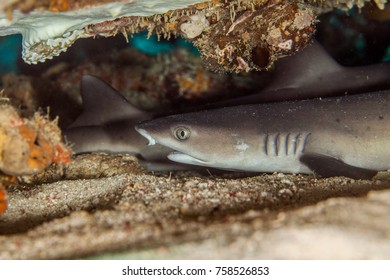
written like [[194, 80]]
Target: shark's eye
[[182, 133]]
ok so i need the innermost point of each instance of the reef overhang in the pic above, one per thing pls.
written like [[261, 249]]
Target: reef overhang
[[232, 36]]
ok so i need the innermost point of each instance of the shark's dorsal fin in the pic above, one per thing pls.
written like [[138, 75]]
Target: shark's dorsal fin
[[308, 65], [326, 166], [103, 104]]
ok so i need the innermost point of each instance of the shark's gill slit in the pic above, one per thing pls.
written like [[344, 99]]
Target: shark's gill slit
[[277, 143], [287, 142], [296, 143], [265, 145], [305, 142]]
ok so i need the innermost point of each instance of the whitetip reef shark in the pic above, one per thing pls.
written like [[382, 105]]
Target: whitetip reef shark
[[339, 136], [107, 125], [108, 119]]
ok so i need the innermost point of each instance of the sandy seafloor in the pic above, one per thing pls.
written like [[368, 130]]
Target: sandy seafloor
[[106, 206]]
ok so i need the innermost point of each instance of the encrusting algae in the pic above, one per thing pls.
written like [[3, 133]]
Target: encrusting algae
[[232, 36]]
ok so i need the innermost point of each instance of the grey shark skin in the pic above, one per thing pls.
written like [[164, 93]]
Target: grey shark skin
[[314, 73], [345, 136]]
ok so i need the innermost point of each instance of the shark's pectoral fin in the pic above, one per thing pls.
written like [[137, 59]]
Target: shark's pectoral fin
[[326, 166]]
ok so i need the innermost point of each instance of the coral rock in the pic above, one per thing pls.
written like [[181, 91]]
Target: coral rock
[[29, 146], [232, 36]]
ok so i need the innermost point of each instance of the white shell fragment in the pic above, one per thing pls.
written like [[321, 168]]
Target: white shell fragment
[[195, 26], [47, 34]]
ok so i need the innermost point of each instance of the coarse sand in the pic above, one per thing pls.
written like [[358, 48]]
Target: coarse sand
[[107, 206]]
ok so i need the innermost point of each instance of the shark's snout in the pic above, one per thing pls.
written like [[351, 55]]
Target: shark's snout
[[145, 134]]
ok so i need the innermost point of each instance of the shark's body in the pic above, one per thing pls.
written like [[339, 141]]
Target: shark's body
[[347, 136], [108, 120]]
